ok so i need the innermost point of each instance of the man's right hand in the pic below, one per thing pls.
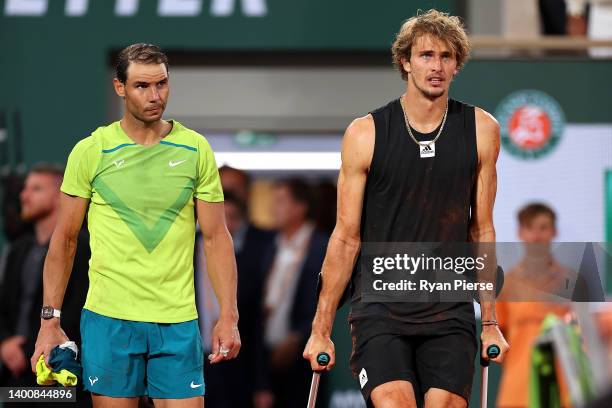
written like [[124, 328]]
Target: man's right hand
[[49, 336], [318, 343], [12, 355]]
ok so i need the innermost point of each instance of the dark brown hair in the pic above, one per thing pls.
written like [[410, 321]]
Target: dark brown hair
[[532, 210], [140, 53], [246, 179], [54, 169], [300, 191], [441, 25]]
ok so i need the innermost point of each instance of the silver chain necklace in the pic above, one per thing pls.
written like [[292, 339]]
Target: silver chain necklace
[[410, 131]]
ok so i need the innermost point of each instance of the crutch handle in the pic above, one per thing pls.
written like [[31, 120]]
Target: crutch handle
[[492, 351], [323, 359]]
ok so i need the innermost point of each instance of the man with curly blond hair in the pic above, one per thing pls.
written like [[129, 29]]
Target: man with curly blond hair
[[419, 169]]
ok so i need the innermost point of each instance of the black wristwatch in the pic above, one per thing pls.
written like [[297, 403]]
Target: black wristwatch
[[48, 313]]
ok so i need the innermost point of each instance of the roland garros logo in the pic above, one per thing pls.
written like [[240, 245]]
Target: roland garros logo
[[531, 122]]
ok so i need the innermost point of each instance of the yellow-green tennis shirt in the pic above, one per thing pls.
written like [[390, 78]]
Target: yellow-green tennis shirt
[[141, 220]]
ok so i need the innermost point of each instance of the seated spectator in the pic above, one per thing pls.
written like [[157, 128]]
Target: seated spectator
[[21, 296]]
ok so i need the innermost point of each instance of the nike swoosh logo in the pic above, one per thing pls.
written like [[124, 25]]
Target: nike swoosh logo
[[192, 385], [174, 164], [118, 163]]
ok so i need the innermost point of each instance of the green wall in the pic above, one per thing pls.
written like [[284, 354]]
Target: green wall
[[54, 68]]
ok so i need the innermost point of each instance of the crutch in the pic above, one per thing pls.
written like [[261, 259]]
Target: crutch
[[492, 352], [323, 360]]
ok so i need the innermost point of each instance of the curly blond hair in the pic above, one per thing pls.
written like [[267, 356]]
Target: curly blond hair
[[438, 24]]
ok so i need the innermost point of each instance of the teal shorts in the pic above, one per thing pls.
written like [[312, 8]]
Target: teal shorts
[[122, 358]]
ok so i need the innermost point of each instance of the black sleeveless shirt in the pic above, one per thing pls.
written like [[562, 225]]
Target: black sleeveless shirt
[[412, 199]]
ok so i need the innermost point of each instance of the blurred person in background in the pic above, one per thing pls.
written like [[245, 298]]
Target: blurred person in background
[[249, 386], [21, 295], [553, 17], [236, 181], [537, 276], [144, 181], [592, 18], [293, 265]]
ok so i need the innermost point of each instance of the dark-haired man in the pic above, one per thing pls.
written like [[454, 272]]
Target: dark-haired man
[[142, 178]]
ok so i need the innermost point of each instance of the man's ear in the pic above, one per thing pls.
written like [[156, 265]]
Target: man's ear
[[406, 64], [119, 87]]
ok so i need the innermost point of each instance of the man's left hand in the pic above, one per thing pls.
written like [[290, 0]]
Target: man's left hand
[[226, 340], [492, 335]]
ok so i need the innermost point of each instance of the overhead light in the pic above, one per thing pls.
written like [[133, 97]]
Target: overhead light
[[279, 160]]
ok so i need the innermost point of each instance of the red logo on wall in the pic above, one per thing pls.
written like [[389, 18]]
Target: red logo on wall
[[530, 127], [531, 123]]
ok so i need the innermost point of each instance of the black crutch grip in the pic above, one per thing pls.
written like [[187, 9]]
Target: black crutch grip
[[323, 359], [492, 351]]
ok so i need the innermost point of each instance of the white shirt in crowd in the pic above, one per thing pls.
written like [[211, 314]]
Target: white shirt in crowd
[[282, 283]]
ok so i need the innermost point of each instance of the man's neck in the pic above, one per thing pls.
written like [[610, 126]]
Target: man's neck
[[425, 113], [144, 133], [540, 262], [43, 228]]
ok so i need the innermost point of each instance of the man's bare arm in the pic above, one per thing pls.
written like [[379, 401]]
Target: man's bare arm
[[481, 227], [221, 267], [488, 141], [57, 270], [344, 243]]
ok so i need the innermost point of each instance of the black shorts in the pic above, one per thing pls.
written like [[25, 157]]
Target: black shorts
[[428, 355]]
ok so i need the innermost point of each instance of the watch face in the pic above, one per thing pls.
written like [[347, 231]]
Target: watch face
[[47, 313]]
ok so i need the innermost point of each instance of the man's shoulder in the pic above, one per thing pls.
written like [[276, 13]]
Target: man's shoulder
[[188, 137], [104, 137], [485, 120], [360, 131], [487, 135], [358, 143], [387, 108], [366, 125]]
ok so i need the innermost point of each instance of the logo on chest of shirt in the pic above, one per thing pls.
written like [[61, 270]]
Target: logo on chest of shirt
[[118, 163], [427, 149], [176, 163]]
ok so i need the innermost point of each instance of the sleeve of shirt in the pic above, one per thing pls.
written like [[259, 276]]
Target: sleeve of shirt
[[78, 173], [208, 184]]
